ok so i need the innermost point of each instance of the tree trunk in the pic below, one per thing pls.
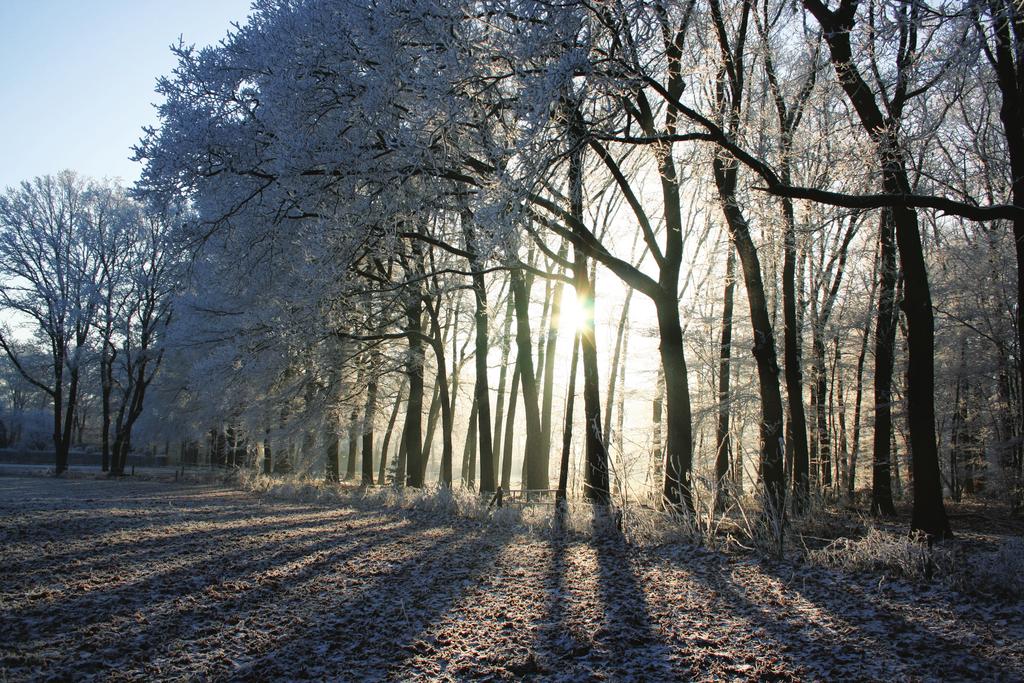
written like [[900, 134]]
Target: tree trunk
[[469, 450], [411, 466], [677, 490], [536, 461], [773, 441], [513, 397], [723, 446], [369, 413], [481, 392], [820, 412], [496, 442], [382, 468], [268, 455], [333, 453], [885, 340], [570, 400], [617, 362], [796, 428], [354, 433], [549, 359], [596, 486], [657, 447]]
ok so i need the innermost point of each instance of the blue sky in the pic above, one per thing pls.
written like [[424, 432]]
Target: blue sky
[[77, 78]]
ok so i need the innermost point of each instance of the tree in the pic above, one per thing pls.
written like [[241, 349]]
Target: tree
[[49, 273]]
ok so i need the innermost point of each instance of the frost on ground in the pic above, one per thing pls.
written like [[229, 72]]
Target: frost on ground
[[123, 580]]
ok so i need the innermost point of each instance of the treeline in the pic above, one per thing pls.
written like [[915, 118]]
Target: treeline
[[86, 282], [390, 198]]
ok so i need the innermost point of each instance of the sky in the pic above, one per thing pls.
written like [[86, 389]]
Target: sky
[[77, 78]]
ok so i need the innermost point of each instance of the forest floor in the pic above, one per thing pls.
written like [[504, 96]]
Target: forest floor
[[145, 580]]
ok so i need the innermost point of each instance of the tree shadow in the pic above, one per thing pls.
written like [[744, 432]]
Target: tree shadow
[[893, 638], [635, 648]]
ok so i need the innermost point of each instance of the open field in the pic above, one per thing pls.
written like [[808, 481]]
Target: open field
[[142, 580]]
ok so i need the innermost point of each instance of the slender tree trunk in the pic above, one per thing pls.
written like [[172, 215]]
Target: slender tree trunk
[[570, 400], [537, 461], [481, 391], [596, 487], [773, 441], [677, 490], [506, 463], [796, 427], [859, 393], [369, 414], [554, 329], [382, 472], [657, 447], [411, 466], [821, 409], [614, 373], [332, 454], [506, 337], [268, 455], [354, 433], [469, 450], [723, 446], [620, 417], [432, 414], [843, 455], [106, 387], [885, 340]]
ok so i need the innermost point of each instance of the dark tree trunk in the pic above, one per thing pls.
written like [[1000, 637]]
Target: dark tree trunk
[[268, 455], [536, 461], [331, 467], [382, 471], [353, 444], [570, 400], [369, 412], [469, 450], [885, 340], [481, 393], [859, 393], [820, 413], [596, 486], [412, 471], [441, 402], [106, 388], [496, 441], [657, 447], [677, 489], [723, 446], [773, 441]]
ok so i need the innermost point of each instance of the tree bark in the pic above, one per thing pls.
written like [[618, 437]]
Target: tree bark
[[536, 461], [570, 400], [885, 340], [723, 445], [596, 486], [481, 392]]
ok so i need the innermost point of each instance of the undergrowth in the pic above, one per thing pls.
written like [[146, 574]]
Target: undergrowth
[[991, 572], [861, 546]]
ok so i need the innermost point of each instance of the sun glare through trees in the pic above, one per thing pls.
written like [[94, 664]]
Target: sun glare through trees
[[515, 340]]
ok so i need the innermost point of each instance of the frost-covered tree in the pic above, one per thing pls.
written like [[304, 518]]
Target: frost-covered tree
[[48, 276]]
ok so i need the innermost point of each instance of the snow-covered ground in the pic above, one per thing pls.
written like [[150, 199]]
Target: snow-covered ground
[[147, 580]]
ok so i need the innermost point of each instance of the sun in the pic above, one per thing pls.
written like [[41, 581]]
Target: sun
[[570, 315]]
